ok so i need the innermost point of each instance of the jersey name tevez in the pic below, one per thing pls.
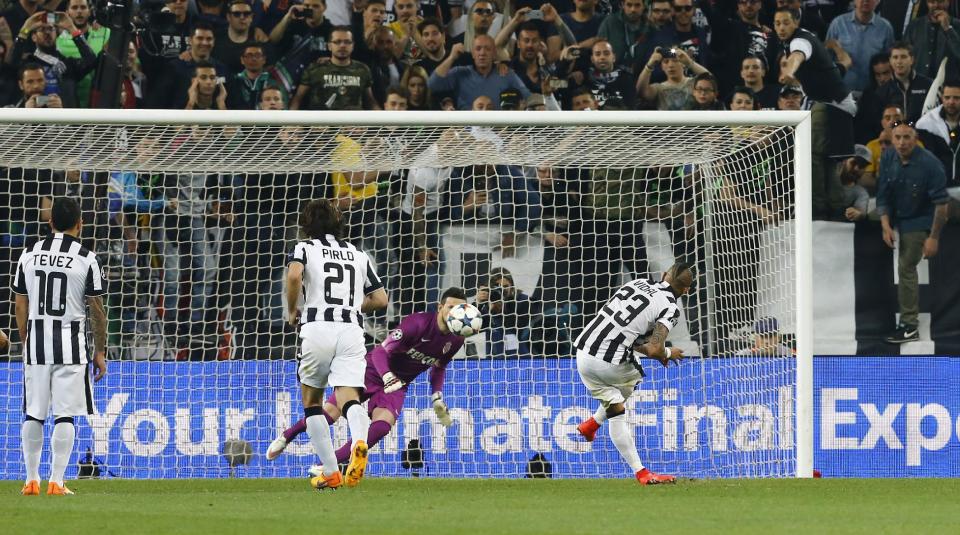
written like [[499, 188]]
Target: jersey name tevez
[[56, 275], [336, 277], [631, 314]]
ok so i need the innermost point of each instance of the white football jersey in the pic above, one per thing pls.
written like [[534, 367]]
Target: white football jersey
[[336, 277], [631, 314], [56, 275]]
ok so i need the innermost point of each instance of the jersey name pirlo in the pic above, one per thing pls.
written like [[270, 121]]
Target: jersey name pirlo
[[56, 275], [336, 277], [629, 317]]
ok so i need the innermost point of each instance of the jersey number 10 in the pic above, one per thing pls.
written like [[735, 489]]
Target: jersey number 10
[[51, 303]]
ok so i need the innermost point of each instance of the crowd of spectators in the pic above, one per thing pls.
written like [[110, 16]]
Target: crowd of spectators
[[859, 69]]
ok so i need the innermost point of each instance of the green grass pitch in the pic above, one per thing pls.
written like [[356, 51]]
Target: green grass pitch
[[451, 506]]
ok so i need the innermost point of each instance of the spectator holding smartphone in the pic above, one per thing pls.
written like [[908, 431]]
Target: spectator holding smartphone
[[61, 73], [32, 83], [676, 92]]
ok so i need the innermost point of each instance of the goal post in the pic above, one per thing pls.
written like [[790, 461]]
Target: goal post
[[193, 213]]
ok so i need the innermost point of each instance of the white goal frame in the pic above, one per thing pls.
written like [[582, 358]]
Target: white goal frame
[[799, 120]]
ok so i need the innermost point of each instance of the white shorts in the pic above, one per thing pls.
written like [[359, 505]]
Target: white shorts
[[332, 353], [608, 383], [67, 387]]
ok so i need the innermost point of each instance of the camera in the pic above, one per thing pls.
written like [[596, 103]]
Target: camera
[[51, 18], [43, 100], [559, 84], [306, 13], [534, 14], [669, 53], [575, 52], [496, 294]]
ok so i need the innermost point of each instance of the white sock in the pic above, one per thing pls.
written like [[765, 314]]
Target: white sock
[[319, 431], [63, 435], [31, 438], [622, 437], [601, 415], [359, 423]]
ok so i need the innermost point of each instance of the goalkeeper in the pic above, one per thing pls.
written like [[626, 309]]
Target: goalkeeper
[[422, 341]]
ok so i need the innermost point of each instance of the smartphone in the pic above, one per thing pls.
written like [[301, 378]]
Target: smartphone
[[559, 84], [535, 14], [43, 100], [306, 13], [51, 18], [575, 52]]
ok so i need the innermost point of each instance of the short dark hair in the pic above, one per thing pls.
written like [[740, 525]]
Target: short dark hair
[[321, 217], [745, 91], [341, 28], [254, 44], [705, 76], [454, 292], [28, 66], [951, 82], [794, 14], [399, 91], [902, 45], [530, 26], [65, 214], [879, 58], [763, 61], [430, 21], [202, 25], [232, 3], [583, 90], [204, 64]]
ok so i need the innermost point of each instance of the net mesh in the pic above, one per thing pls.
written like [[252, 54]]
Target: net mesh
[[193, 225]]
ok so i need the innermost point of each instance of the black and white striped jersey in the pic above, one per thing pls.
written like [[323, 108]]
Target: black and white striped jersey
[[336, 277], [631, 314], [56, 275]]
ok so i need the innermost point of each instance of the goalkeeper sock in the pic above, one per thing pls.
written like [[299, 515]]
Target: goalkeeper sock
[[378, 430], [293, 431], [358, 420], [600, 415], [622, 437], [31, 438], [63, 435], [319, 431]]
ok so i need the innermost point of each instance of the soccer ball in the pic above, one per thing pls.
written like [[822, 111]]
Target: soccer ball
[[464, 320]]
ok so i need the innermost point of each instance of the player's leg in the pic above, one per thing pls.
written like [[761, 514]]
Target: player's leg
[[36, 379], [347, 373], [330, 412], [318, 348], [72, 395]]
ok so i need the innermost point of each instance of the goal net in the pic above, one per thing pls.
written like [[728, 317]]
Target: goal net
[[540, 217]]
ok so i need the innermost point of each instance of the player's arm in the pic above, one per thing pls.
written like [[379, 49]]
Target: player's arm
[[656, 346], [294, 288], [22, 307], [98, 324], [4, 341], [373, 301], [437, 376]]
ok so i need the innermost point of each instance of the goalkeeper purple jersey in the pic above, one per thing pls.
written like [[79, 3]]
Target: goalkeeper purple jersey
[[415, 346]]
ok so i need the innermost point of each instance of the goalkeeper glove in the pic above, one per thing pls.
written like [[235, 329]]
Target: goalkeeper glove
[[440, 408], [391, 383]]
